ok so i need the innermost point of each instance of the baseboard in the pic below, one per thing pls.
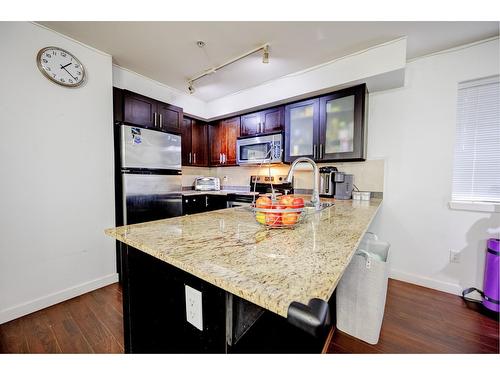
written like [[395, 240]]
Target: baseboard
[[29, 307], [426, 282]]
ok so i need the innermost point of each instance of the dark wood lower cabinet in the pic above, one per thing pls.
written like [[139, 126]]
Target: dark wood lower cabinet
[[195, 204], [154, 312]]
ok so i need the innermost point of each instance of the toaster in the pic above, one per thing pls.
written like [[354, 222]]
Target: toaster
[[207, 183]]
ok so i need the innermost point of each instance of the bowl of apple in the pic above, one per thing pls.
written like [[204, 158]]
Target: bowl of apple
[[285, 212]]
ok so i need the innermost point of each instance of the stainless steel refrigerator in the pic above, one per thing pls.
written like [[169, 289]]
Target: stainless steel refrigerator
[[148, 178], [150, 175]]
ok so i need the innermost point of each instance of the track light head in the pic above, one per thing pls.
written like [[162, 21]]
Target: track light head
[[265, 55], [190, 88]]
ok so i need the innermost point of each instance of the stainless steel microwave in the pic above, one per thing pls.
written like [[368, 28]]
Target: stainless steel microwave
[[261, 149]]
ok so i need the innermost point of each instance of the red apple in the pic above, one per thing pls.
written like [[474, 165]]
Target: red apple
[[274, 219], [297, 202], [286, 200], [290, 218], [263, 202]]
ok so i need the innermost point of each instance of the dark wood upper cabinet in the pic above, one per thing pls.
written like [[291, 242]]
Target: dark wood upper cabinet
[[231, 134], [328, 128], [222, 140], [250, 124], [199, 143], [147, 112], [273, 120], [138, 109], [342, 125], [215, 143], [301, 129], [194, 142], [169, 117], [186, 139], [266, 121]]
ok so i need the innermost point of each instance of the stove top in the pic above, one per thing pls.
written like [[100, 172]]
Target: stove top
[[266, 184]]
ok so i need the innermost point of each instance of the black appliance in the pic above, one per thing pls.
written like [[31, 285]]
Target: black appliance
[[327, 181]]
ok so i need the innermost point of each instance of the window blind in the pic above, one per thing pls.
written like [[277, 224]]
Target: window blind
[[476, 169]]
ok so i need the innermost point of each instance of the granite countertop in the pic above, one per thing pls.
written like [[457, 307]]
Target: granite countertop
[[271, 268]]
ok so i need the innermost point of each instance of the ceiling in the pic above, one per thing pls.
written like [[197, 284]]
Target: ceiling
[[167, 51]]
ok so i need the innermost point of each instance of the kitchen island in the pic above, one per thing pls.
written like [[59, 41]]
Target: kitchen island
[[252, 280]]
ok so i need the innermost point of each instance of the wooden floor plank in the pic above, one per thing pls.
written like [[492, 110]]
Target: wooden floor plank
[[39, 334], [98, 336], [68, 333], [107, 316], [12, 338]]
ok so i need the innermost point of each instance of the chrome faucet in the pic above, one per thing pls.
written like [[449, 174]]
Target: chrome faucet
[[315, 194]]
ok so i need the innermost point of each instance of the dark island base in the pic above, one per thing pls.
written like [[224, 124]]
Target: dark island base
[[154, 311]]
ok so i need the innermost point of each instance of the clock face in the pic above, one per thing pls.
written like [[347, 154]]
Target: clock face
[[60, 66]]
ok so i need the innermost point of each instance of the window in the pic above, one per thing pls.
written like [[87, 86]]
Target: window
[[476, 169]]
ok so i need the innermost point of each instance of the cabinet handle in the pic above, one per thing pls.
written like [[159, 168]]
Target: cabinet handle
[[206, 200], [314, 151], [224, 156], [194, 158], [154, 118], [260, 127], [220, 158], [189, 158], [321, 150], [161, 121]]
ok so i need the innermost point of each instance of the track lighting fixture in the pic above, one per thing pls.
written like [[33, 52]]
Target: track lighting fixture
[[265, 54], [201, 44], [190, 87]]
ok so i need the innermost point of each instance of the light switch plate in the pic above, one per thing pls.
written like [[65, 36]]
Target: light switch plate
[[194, 312]]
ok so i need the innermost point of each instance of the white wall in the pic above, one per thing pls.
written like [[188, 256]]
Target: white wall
[[127, 79], [413, 129], [56, 168]]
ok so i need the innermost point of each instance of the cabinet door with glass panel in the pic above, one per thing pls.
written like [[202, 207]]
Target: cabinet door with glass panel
[[342, 128], [301, 129]]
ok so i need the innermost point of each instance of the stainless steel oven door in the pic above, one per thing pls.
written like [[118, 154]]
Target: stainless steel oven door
[[261, 149]]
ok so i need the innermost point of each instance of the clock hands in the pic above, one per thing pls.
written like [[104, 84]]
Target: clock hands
[[64, 67]]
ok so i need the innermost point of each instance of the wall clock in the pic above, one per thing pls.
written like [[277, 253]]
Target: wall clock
[[60, 66]]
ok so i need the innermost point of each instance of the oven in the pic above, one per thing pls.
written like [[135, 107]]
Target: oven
[[262, 149]]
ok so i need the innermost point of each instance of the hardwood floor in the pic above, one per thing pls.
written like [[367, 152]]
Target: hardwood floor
[[422, 320], [417, 320], [91, 323]]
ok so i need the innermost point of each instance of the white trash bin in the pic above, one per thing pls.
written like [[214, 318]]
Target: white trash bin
[[362, 291]]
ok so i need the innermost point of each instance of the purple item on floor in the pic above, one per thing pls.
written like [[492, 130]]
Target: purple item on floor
[[491, 280]]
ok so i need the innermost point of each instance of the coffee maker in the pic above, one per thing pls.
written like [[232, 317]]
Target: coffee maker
[[335, 184], [327, 181]]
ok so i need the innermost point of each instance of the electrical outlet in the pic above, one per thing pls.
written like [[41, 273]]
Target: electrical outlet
[[194, 312], [454, 256], [224, 178]]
